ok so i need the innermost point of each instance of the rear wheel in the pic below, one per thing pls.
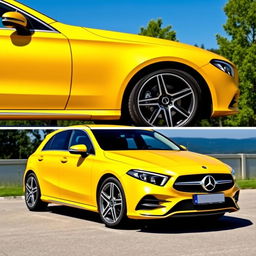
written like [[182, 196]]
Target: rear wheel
[[112, 203], [33, 194], [166, 97]]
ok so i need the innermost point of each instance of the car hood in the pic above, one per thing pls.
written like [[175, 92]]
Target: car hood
[[140, 39], [169, 162]]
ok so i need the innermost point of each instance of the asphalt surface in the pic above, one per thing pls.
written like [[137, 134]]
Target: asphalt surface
[[66, 231]]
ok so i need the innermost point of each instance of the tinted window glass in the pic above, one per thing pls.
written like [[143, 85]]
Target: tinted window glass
[[32, 23], [59, 142], [133, 140], [80, 137]]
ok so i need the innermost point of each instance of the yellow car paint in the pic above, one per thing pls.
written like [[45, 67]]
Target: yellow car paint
[[79, 69], [69, 179]]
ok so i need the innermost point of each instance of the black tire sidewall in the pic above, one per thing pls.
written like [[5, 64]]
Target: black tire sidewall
[[133, 99]]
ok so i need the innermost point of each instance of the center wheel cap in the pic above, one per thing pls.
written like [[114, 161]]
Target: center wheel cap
[[165, 100]]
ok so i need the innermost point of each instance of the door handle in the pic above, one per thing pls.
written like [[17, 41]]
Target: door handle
[[64, 160], [40, 158]]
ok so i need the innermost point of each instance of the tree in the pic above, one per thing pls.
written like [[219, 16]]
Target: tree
[[240, 47], [20, 143], [154, 29]]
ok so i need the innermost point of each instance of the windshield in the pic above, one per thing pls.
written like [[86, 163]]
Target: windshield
[[126, 139]]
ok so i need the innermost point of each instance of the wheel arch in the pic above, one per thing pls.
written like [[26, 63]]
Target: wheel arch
[[102, 179], [27, 174], [206, 103]]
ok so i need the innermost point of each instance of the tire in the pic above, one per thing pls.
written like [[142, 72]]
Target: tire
[[33, 194], [167, 97], [112, 203]]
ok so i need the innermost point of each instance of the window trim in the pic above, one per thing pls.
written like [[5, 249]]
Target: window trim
[[51, 29], [93, 152]]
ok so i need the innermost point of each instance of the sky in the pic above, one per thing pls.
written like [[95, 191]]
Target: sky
[[195, 21]]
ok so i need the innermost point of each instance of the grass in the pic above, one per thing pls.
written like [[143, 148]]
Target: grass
[[246, 184], [10, 190], [17, 190]]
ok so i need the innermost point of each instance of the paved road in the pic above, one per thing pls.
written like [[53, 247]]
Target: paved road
[[65, 231]]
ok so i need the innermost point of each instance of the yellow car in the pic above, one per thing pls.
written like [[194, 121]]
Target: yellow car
[[55, 71], [127, 173]]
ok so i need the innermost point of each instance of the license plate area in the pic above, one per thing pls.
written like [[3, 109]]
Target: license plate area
[[208, 199]]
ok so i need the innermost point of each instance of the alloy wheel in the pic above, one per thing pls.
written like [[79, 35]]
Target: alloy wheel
[[111, 203], [166, 99], [31, 191]]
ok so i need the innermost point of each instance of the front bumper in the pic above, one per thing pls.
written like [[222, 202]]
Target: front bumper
[[171, 202], [224, 90]]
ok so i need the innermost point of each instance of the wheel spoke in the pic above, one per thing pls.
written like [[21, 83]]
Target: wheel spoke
[[113, 211], [105, 197], [161, 85], [28, 198], [32, 199], [31, 182], [181, 94], [34, 190], [149, 102], [106, 211], [117, 202], [154, 116], [112, 190], [181, 111], [168, 117], [28, 188]]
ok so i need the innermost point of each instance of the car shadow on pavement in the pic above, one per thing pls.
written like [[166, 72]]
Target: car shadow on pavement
[[75, 213], [191, 225], [167, 226]]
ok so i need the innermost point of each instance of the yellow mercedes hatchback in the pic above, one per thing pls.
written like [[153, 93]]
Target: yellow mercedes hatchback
[[127, 173], [55, 71]]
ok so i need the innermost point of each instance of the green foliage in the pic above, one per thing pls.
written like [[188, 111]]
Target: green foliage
[[240, 47], [19, 144], [11, 191], [247, 184], [154, 29]]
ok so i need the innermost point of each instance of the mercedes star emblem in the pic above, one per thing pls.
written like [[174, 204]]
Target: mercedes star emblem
[[208, 183]]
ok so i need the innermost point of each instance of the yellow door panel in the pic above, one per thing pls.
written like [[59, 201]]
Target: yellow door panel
[[35, 71], [48, 174], [75, 177]]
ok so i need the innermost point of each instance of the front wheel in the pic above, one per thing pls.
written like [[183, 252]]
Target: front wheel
[[33, 194], [112, 203], [167, 97]]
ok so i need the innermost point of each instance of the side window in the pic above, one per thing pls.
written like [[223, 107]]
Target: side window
[[60, 141], [80, 137], [32, 23]]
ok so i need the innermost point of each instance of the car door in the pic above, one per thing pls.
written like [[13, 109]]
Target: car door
[[35, 69], [49, 162], [75, 183]]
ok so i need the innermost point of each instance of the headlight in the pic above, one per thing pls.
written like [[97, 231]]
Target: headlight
[[224, 66], [150, 177]]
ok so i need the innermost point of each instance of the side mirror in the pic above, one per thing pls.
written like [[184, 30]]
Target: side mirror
[[183, 147], [78, 150], [15, 20]]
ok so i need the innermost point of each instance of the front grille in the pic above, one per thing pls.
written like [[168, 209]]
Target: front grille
[[192, 183], [187, 205]]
